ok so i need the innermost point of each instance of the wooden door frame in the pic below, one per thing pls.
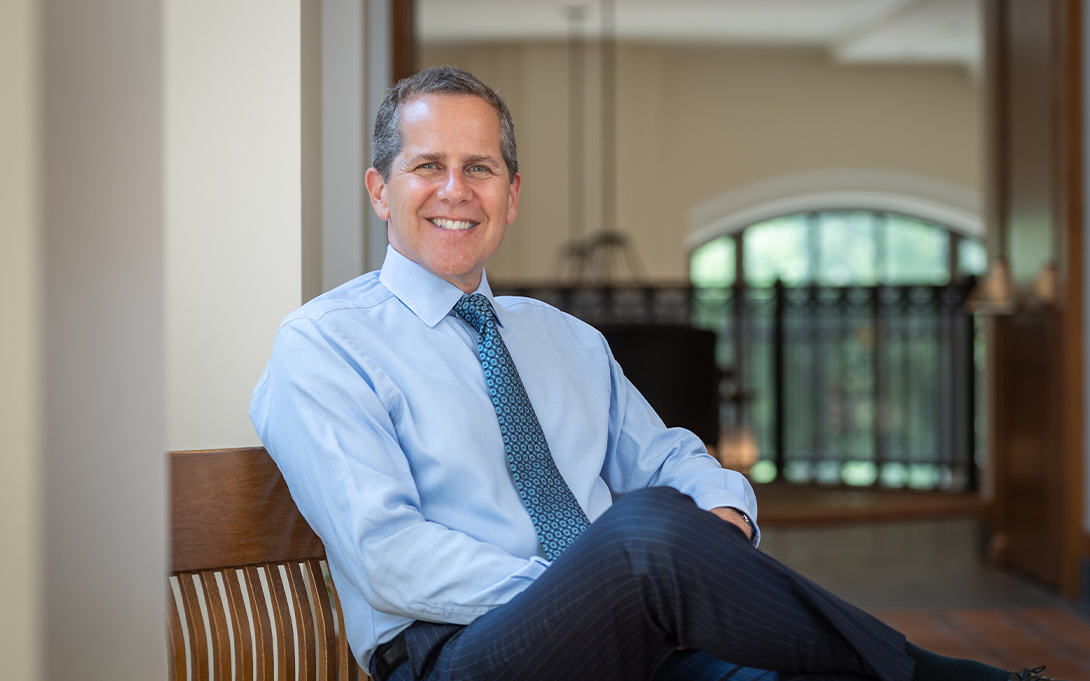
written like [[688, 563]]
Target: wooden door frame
[[1076, 539], [1066, 405]]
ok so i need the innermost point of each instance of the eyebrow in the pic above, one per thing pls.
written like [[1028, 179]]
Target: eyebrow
[[426, 157], [481, 158], [435, 157]]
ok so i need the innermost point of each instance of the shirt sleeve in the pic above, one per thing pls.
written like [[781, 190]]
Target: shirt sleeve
[[643, 452], [324, 414]]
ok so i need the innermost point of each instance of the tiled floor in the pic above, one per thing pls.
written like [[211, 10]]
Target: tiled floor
[[926, 578]]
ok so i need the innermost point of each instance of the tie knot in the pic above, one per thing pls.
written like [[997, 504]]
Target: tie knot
[[476, 310]]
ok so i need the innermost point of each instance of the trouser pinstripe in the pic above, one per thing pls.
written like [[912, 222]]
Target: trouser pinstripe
[[653, 573]]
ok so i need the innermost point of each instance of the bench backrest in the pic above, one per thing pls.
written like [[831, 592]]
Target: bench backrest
[[250, 595]]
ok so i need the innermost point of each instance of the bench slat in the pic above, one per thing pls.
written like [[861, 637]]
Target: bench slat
[[346, 666], [316, 586], [240, 625], [304, 622], [263, 631], [195, 623], [217, 624], [177, 639]]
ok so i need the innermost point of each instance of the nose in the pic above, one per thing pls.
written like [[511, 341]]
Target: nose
[[453, 186]]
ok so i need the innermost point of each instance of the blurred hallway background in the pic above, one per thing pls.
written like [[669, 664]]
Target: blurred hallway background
[[181, 174]]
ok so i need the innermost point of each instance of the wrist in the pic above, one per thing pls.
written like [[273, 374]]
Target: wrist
[[737, 517]]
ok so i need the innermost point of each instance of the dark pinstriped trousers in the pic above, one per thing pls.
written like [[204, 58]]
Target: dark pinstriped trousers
[[653, 573]]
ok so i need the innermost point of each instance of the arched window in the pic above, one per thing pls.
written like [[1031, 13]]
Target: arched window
[[869, 375], [839, 248]]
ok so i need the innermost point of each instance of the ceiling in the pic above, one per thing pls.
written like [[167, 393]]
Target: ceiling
[[851, 31]]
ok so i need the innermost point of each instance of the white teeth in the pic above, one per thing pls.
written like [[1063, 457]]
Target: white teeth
[[451, 224]]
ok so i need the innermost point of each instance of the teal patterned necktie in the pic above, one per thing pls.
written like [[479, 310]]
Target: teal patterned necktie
[[557, 516]]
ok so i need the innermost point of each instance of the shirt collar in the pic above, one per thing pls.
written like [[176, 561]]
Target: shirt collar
[[429, 296]]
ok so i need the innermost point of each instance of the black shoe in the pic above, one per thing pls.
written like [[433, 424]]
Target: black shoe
[[1028, 674]]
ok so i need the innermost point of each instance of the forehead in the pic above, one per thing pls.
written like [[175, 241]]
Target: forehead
[[454, 121]]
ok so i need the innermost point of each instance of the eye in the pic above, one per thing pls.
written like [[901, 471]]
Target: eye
[[427, 166], [479, 169]]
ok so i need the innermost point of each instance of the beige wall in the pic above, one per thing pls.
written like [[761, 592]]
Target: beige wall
[[82, 504], [694, 123], [233, 207], [20, 373], [82, 366]]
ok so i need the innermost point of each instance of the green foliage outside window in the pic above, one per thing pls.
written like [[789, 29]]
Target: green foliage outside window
[[834, 424]]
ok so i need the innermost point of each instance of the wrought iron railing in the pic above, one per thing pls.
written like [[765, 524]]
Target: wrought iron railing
[[866, 386]]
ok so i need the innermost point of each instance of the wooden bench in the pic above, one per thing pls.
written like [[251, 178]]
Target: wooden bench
[[249, 589]]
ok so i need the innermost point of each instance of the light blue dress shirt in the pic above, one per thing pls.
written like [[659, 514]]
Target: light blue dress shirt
[[374, 407]]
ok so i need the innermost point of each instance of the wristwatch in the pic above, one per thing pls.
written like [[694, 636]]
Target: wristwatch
[[749, 521]]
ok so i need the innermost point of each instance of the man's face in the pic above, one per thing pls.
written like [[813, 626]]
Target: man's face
[[449, 199]]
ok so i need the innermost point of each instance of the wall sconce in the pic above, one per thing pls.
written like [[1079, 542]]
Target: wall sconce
[[995, 293], [1045, 287], [738, 449]]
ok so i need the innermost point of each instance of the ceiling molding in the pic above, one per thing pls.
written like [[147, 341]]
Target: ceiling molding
[[911, 194]]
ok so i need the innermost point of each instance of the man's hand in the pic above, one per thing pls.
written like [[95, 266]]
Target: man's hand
[[733, 516]]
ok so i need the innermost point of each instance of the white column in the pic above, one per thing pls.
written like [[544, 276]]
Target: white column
[[379, 76], [233, 207], [20, 367], [104, 473], [344, 142]]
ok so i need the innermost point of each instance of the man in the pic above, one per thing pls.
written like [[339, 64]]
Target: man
[[496, 500]]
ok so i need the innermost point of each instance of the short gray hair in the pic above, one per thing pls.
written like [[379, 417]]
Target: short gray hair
[[448, 80]]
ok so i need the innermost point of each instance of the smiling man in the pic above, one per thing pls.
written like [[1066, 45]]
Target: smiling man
[[497, 502], [449, 194]]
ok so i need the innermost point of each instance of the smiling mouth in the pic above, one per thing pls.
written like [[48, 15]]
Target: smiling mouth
[[455, 225]]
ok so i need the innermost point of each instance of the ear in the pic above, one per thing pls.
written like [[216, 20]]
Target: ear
[[513, 199], [376, 190]]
